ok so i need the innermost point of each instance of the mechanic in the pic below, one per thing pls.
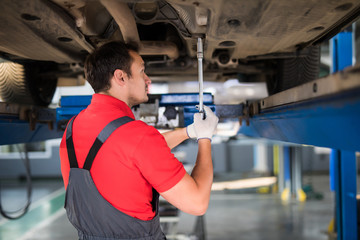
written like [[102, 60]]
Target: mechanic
[[114, 166]]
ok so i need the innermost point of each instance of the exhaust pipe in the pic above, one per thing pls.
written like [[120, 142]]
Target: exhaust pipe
[[124, 18], [126, 21]]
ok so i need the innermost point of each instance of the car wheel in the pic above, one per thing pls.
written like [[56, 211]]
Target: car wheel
[[295, 71], [26, 84]]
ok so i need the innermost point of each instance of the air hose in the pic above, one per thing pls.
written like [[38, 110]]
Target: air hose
[[12, 215]]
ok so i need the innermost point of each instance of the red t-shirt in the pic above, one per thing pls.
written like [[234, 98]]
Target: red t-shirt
[[133, 160]]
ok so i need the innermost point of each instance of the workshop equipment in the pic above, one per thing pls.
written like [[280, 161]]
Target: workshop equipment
[[169, 110]]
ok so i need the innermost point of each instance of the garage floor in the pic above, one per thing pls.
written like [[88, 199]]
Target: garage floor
[[231, 215]]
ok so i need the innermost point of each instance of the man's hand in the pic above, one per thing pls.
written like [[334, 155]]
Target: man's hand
[[205, 128]]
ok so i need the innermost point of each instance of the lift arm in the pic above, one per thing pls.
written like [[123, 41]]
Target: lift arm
[[22, 124], [324, 112]]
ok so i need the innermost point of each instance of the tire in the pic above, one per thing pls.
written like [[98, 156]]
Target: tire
[[26, 84], [295, 71]]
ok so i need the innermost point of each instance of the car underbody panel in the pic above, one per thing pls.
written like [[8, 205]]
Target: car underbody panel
[[242, 39]]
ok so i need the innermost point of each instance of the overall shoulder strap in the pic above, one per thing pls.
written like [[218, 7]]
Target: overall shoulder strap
[[70, 145], [102, 137]]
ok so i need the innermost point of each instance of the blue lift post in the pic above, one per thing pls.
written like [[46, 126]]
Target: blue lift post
[[343, 169], [345, 195]]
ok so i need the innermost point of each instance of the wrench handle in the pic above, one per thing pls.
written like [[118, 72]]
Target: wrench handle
[[200, 56]]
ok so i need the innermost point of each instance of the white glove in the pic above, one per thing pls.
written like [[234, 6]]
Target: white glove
[[190, 130], [205, 128]]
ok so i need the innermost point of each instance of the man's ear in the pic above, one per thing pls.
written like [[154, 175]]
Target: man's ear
[[119, 77]]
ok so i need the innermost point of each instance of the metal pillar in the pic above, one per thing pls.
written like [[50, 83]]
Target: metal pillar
[[286, 193], [279, 166], [345, 194], [292, 174], [296, 173], [199, 229], [260, 157]]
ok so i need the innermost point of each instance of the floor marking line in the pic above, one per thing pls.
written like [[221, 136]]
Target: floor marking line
[[33, 232], [45, 208]]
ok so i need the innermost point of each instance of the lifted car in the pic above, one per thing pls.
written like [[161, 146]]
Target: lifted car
[[272, 41]]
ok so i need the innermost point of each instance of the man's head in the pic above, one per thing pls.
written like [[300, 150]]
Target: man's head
[[118, 70], [102, 63]]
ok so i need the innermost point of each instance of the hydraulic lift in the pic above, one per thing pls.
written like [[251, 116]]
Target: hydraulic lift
[[323, 113]]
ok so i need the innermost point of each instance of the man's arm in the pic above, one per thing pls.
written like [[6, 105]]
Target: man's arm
[[175, 137], [192, 193]]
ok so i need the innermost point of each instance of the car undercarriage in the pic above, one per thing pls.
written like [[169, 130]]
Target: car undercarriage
[[273, 41]]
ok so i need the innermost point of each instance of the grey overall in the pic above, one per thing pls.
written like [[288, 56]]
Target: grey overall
[[93, 216]]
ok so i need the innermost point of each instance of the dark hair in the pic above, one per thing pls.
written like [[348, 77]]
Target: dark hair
[[101, 64]]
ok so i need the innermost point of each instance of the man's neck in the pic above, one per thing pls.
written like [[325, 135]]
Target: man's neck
[[110, 93]]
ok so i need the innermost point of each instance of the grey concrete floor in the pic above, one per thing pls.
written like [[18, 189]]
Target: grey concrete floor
[[250, 216], [243, 215]]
